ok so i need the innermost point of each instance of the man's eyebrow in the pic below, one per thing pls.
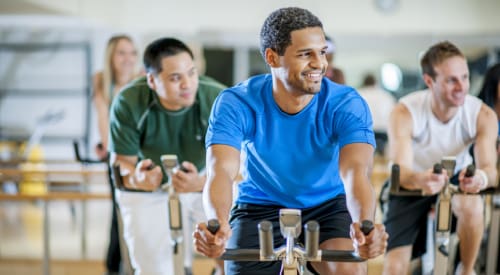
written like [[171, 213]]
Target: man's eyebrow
[[311, 49], [304, 50], [173, 74]]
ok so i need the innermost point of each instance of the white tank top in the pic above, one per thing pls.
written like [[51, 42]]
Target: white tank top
[[433, 139]]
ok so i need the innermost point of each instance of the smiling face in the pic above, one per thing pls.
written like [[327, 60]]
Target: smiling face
[[451, 83], [177, 83], [124, 58], [303, 65]]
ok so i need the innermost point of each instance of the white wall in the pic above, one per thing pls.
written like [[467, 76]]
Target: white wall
[[338, 16], [365, 36]]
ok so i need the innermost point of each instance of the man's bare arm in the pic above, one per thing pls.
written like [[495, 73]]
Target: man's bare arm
[[356, 162], [401, 153], [222, 167], [484, 148]]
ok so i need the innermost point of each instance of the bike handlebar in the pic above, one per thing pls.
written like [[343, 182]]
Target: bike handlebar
[[437, 168], [119, 183], [366, 227], [79, 158], [118, 180], [340, 256], [267, 253], [470, 171], [252, 255], [395, 187], [213, 226]]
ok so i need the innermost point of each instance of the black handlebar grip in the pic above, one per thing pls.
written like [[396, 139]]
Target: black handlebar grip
[[76, 150], [394, 178], [437, 169], [213, 226], [117, 177], [183, 169], [470, 171], [366, 227], [78, 157]]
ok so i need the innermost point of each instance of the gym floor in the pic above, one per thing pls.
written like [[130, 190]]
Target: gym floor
[[21, 235]]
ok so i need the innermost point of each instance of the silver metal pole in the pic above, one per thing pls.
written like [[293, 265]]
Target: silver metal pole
[[46, 238], [493, 234]]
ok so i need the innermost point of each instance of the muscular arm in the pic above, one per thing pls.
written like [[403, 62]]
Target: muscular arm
[[400, 147], [484, 149], [222, 169], [401, 152], [223, 163], [356, 161]]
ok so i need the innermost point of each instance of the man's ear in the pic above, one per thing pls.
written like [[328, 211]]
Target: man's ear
[[272, 58], [151, 81], [428, 80]]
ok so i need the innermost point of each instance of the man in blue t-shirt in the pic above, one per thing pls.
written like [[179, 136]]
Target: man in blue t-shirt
[[309, 145]]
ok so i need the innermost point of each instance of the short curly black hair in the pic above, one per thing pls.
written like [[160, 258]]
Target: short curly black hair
[[275, 32]]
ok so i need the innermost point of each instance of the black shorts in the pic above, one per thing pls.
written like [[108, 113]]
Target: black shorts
[[406, 221], [332, 216]]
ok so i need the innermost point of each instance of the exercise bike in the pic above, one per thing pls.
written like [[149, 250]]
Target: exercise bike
[[169, 163], [442, 225], [292, 255]]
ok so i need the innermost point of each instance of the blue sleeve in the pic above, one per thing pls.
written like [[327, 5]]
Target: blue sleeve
[[353, 123], [228, 122]]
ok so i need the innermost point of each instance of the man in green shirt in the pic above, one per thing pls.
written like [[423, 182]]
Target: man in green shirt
[[165, 112]]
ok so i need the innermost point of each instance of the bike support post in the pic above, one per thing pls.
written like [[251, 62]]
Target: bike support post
[[290, 225], [491, 263], [443, 222], [175, 220], [175, 217]]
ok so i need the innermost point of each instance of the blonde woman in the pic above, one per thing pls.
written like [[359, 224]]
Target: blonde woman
[[120, 67]]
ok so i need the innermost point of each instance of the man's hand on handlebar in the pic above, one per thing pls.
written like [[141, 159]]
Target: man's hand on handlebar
[[471, 183], [185, 178], [147, 176], [371, 245], [208, 244], [433, 182]]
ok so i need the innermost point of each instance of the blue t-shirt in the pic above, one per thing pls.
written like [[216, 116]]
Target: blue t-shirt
[[292, 160]]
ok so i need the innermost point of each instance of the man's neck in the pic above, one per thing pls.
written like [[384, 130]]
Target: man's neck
[[289, 101], [442, 112]]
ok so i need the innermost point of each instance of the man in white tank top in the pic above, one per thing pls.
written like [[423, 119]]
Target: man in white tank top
[[425, 126]]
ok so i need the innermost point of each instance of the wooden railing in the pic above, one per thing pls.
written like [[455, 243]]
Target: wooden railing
[[79, 192]]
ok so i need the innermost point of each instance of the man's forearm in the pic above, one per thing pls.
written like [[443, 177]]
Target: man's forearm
[[127, 170], [218, 198], [492, 175], [361, 199], [409, 179]]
